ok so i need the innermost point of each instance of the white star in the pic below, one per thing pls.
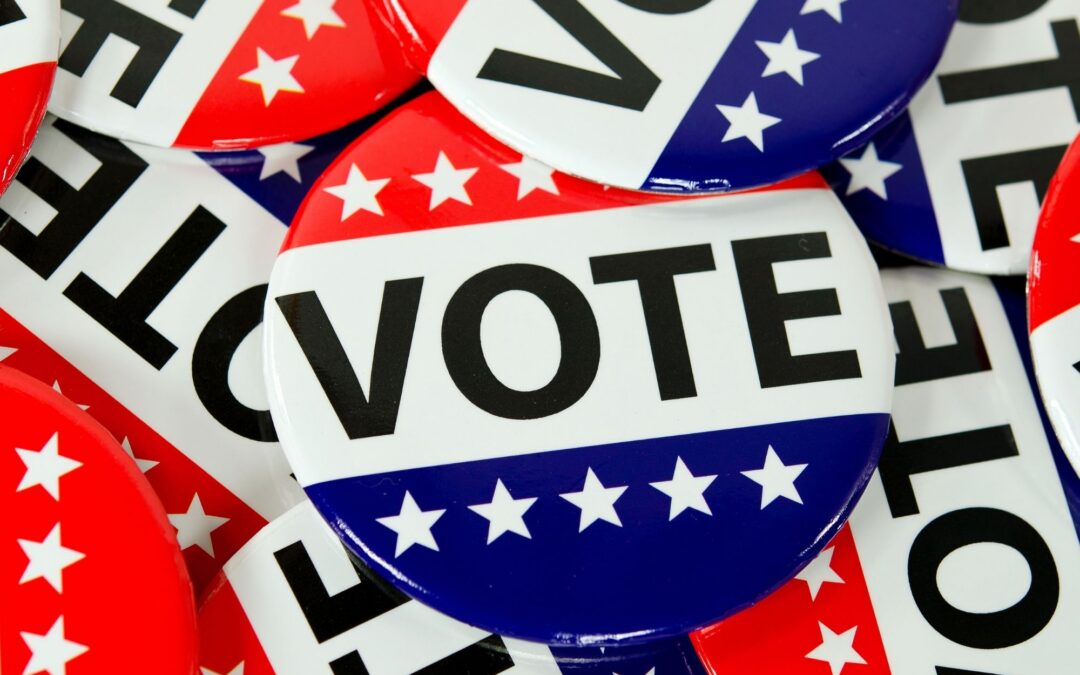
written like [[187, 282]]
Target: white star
[[47, 559], [686, 490], [830, 7], [45, 467], [820, 572], [746, 121], [56, 388], [446, 182], [786, 57], [776, 479], [6, 352], [504, 513], [314, 14], [869, 172], [194, 527], [238, 669], [283, 158], [358, 193], [836, 650], [595, 501], [531, 175], [143, 464], [412, 525], [50, 653], [273, 75]]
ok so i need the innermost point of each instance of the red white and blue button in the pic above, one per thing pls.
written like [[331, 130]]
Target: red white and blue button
[[957, 179], [293, 602], [214, 74], [556, 411], [686, 96]]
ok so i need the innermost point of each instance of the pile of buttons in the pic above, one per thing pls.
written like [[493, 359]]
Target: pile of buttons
[[581, 337]]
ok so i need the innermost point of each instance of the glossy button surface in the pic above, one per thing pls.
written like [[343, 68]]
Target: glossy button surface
[[694, 95], [553, 410], [30, 36], [91, 575], [962, 555], [1054, 303], [212, 74], [957, 179]]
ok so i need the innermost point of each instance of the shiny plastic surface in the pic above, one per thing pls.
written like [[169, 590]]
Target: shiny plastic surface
[[218, 74], [1054, 303], [499, 425], [91, 575], [691, 96]]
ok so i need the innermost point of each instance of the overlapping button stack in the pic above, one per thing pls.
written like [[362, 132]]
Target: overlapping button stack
[[539, 336]]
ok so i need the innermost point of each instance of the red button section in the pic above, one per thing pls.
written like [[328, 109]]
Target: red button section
[[91, 577]]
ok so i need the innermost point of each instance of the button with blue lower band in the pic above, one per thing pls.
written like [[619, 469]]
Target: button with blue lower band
[[569, 414], [685, 96]]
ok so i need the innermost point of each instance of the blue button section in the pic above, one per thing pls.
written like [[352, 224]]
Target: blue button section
[[269, 181], [902, 220], [650, 576], [870, 63]]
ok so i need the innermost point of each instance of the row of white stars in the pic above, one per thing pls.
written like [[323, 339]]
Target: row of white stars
[[47, 559], [836, 649], [785, 57], [445, 181], [46, 466], [596, 502], [275, 75]]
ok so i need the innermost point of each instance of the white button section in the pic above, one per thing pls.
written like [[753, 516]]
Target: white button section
[[133, 230], [1055, 348], [205, 42], [33, 39], [949, 134], [602, 142], [1026, 486], [437, 425]]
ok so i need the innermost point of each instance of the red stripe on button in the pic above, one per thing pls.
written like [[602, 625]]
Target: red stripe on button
[[777, 634]]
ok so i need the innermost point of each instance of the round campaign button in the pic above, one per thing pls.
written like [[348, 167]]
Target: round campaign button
[[960, 555], [564, 413], [682, 96], [957, 179], [292, 601], [30, 35], [1054, 303], [224, 73], [91, 572]]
